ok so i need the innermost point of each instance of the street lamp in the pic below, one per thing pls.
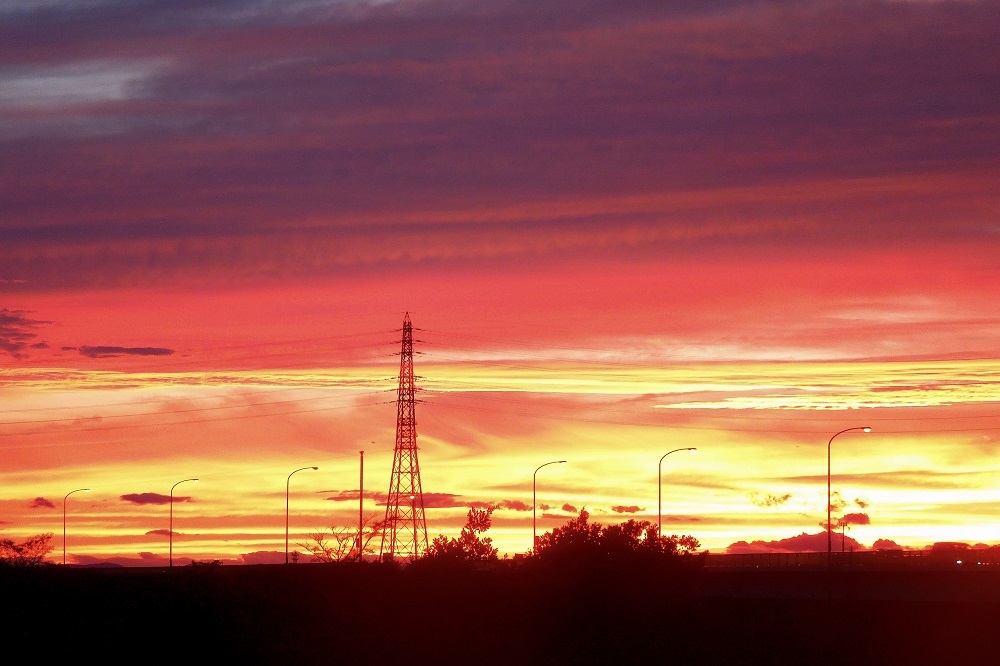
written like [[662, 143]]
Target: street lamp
[[288, 482], [829, 444], [78, 490], [172, 517], [534, 501], [659, 488]]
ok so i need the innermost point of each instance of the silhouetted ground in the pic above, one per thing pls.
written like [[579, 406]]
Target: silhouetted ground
[[378, 614]]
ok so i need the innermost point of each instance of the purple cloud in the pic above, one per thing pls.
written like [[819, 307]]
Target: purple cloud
[[886, 544], [144, 559], [114, 352], [151, 498], [442, 501], [803, 543], [17, 332], [263, 557], [853, 519]]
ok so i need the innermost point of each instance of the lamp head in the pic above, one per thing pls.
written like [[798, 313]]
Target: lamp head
[[867, 429]]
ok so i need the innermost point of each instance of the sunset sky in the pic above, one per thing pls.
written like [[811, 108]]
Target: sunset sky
[[619, 229]]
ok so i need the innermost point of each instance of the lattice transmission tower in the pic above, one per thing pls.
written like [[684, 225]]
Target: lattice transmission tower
[[405, 533]]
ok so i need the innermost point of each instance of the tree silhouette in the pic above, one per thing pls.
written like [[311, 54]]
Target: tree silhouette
[[469, 546], [340, 544], [27, 553]]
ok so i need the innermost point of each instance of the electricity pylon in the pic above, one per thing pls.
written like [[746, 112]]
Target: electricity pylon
[[405, 532]]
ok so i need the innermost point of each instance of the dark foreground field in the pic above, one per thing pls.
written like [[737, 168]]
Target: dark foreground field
[[374, 614]]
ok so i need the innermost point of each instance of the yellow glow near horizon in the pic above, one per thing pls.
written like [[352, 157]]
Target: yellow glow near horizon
[[760, 429]]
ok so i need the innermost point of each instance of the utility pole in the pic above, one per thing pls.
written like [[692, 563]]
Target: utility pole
[[361, 508]]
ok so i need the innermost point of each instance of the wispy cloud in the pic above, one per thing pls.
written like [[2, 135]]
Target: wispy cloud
[[769, 500], [352, 496], [71, 85]]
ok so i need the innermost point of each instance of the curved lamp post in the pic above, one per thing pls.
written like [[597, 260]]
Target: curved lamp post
[[659, 489], [78, 490], [829, 527], [288, 483], [172, 516], [534, 502]]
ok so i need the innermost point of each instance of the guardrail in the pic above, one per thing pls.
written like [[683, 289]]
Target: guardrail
[[936, 558]]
